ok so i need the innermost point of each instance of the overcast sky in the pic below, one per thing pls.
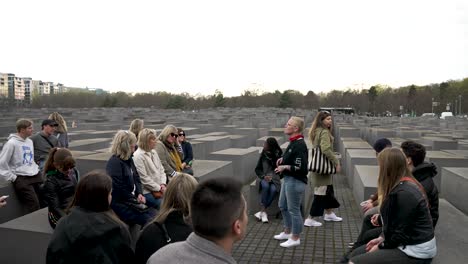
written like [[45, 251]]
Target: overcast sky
[[199, 46]]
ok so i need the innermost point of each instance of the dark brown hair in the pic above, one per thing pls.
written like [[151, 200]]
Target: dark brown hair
[[92, 192], [59, 159]]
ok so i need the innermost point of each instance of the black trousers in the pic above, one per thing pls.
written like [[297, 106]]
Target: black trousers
[[322, 202], [389, 256], [28, 189]]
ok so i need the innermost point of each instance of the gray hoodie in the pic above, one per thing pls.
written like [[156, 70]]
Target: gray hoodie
[[17, 158]]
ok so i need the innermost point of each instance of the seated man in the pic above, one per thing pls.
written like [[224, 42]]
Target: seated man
[[211, 241]]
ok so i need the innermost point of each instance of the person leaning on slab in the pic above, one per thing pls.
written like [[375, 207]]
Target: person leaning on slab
[[17, 165]]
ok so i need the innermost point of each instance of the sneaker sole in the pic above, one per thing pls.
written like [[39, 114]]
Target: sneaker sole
[[331, 220], [290, 246]]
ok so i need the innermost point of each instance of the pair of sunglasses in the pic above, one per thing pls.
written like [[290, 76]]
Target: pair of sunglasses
[[174, 135]]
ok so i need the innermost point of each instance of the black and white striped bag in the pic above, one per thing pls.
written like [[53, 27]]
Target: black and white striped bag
[[319, 163]]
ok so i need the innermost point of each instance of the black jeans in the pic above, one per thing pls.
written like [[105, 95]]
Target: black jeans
[[28, 189], [390, 256]]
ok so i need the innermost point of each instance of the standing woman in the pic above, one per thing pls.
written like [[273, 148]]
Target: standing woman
[[187, 157], [293, 166], [408, 234], [61, 132], [136, 126], [320, 134], [91, 232], [149, 168], [167, 151], [128, 201], [269, 181], [61, 180]]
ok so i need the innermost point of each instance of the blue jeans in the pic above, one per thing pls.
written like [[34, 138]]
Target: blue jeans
[[268, 193], [289, 203], [151, 201]]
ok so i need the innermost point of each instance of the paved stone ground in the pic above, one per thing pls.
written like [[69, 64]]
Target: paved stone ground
[[325, 244]]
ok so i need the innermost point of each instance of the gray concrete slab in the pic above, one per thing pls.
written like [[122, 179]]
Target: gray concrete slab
[[443, 159], [90, 144], [455, 186], [243, 160], [211, 169], [215, 143], [25, 238], [451, 235], [358, 157], [438, 143], [365, 182], [91, 162]]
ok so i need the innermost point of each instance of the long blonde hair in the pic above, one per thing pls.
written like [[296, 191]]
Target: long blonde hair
[[177, 197], [121, 144], [318, 122], [136, 126], [392, 167], [62, 125]]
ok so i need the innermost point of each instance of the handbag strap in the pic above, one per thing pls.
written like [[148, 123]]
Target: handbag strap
[[48, 141], [164, 230]]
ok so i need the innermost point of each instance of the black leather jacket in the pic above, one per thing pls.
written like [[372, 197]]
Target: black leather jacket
[[58, 191], [406, 217]]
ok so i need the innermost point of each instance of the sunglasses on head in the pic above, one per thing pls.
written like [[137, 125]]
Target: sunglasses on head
[[174, 135]]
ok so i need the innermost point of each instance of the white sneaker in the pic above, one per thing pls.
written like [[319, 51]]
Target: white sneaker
[[290, 243], [332, 217], [258, 215], [264, 217], [312, 222], [282, 236]]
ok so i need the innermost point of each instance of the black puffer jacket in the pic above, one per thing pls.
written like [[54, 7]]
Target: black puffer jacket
[[90, 237], [424, 173], [58, 191]]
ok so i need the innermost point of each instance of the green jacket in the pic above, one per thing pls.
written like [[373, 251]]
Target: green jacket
[[322, 135]]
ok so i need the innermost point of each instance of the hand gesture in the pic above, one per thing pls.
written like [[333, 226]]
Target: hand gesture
[[374, 244], [268, 178], [368, 205], [279, 162], [375, 220], [141, 199]]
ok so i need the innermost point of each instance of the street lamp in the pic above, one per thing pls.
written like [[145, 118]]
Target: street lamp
[[460, 105], [432, 105]]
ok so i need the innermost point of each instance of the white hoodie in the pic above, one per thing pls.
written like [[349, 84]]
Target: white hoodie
[[17, 158]]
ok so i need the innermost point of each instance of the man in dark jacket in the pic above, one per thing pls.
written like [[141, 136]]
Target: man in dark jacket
[[423, 172]]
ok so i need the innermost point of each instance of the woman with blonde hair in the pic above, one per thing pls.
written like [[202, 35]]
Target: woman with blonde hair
[[172, 223], [407, 233], [293, 167], [128, 201], [136, 126], [61, 132], [320, 134], [150, 168], [166, 147], [91, 232]]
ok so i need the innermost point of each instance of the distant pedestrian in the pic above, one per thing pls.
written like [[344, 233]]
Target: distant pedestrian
[[61, 132]]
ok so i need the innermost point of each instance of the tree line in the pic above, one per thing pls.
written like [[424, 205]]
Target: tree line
[[376, 100]]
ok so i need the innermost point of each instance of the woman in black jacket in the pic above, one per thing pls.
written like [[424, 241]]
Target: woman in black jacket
[[293, 166], [128, 201], [269, 182], [172, 223], [91, 233], [408, 233], [61, 180]]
